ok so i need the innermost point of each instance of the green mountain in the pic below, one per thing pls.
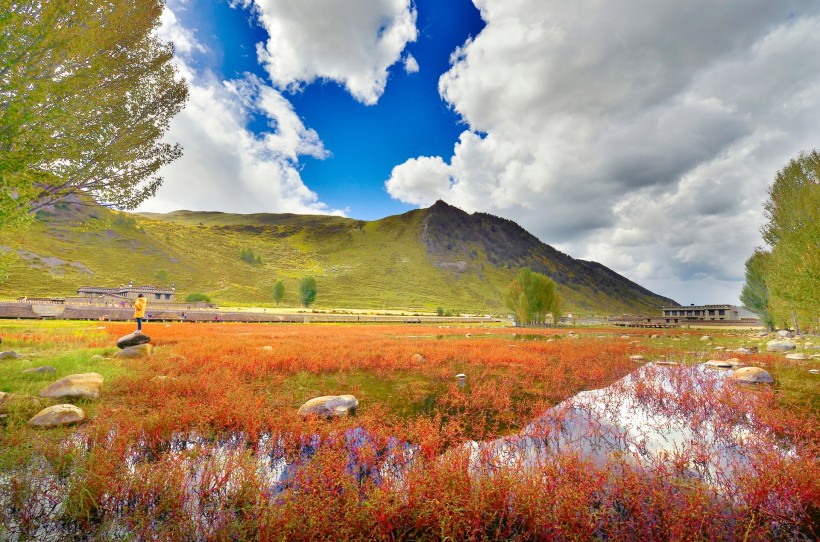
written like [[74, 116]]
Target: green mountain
[[422, 259]]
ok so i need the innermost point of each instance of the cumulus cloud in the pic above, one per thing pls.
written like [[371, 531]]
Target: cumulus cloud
[[640, 134], [352, 43], [227, 166]]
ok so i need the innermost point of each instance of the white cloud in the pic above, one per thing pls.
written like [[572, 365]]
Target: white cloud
[[352, 43], [411, 65], [225, 165], [640, 134]]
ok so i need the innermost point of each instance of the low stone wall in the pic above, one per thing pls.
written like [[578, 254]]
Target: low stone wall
[[92, 312]]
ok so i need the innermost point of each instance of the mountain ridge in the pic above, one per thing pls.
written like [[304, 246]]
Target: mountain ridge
[[440, 256]]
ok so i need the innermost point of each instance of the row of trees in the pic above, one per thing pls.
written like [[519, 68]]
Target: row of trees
[[532, 298], [307, 291], [783, 281]]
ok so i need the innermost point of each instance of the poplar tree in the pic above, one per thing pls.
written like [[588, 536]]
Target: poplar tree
[[87, 91], [531, 296], [792, 272]]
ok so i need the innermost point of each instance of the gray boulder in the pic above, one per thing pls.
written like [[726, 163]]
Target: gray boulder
[[9, 355], [83, 386], [784, 334], [133, 339], [42, 370], [780, 346], [138, 351]]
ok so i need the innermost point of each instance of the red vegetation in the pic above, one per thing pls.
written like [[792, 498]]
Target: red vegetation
[[193, 455]]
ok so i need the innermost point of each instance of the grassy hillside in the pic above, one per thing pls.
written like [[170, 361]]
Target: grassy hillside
[[419, 260]]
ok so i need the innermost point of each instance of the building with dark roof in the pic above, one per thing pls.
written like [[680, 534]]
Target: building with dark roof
[[695, 313], [154, 294]]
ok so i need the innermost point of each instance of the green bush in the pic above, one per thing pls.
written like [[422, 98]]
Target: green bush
[[196, 297]]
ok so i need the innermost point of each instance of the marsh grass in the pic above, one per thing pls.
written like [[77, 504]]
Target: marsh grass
[[190, 456]]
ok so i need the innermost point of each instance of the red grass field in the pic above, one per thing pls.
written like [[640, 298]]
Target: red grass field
[[184, 444]]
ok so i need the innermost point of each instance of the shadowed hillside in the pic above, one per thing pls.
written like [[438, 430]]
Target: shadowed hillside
[[422, 259]]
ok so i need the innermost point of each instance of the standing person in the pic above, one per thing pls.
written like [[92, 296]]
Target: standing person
[[139, 311]]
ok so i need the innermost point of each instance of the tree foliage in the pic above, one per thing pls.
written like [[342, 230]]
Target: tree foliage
[[196, 297], [307, 291], [162, 276], [792, 272], [278, 291], [531, 297], [87, 91], [755, 294], [246, 254]]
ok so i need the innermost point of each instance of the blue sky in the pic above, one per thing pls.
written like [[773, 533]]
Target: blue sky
[[639, 134]]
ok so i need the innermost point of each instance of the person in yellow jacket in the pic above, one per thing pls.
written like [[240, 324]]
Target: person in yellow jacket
[[139, 311]]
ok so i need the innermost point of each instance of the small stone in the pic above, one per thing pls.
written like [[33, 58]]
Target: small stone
[[133, 339], [9, 355], [42, 369], [85, 386], [267, 348], [784, 334], [719, 348], [746, 350], [57, 415], [97, 358], [752, 375], [624, 336], [706, 338], [637, 358], [418, 358], [139, 351], [780, 346], [163, 378], [329, 406], [655, 336], [796, 356], [718, 364], [468, 335], [814, 371]]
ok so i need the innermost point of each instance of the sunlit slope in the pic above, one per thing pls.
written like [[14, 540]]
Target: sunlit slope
[[423, 259]]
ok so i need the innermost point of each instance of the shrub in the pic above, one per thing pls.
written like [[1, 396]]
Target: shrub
[[196, 297]]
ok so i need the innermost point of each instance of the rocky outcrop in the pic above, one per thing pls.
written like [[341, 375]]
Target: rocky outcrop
[[81, 386]]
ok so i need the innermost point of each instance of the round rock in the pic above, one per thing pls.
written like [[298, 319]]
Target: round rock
[[418, 358], [796, 356], [133, 339], [84, 386], [752, 375], [706, 338], [329, 406], [56, 415], [138, 351], [784, 334], [718, 364], [780, 346]]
